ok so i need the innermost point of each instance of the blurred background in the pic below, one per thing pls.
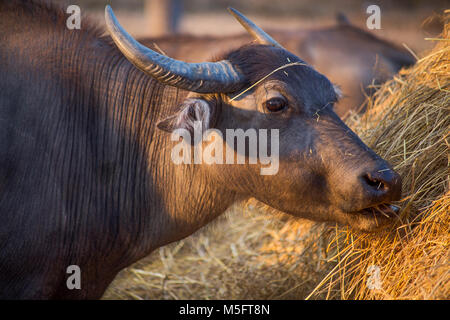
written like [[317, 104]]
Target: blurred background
[[402, 21]]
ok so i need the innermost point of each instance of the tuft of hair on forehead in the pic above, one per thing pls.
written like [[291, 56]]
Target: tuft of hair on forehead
[[255, 61]]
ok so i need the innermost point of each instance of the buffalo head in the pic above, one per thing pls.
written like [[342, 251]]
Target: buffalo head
[[325, 172]]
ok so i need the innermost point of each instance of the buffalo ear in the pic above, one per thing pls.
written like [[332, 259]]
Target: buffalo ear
[[194, 111], [168, 124]]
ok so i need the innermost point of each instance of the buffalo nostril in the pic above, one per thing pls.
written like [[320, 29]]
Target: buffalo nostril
[[382, 185], [375, 182]]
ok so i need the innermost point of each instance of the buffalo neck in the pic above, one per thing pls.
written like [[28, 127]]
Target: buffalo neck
[[146, 200]]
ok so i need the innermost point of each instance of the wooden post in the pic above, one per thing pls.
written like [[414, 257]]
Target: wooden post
[[162, 16]]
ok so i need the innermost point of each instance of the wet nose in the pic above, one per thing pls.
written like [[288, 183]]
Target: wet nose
[[382, 185]]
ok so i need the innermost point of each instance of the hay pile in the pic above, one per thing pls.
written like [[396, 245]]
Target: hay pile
[[233, 259], [252, 255], [408, 123]]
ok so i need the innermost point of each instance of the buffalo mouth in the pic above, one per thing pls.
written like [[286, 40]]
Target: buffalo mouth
[[387, 211], [371, 219]]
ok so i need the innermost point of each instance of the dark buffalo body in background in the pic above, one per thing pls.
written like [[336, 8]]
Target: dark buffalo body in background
[[86, 177], [350, 57]]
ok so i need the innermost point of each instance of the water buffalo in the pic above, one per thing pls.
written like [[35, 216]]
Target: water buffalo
[[87, 177], [351, 57]]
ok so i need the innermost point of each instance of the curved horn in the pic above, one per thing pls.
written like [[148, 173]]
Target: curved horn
[[256, 32], [207, 77]]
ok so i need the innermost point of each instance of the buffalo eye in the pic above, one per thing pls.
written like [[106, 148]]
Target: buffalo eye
[[275, 104]]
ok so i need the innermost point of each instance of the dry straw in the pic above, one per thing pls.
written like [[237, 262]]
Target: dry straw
[[408, 123], [250, 254]]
